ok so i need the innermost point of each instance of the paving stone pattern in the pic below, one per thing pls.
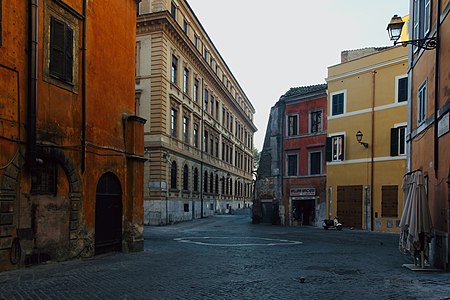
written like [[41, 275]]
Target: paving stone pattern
[[331, 264]]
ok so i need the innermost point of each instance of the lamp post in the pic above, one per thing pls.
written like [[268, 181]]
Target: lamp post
[[394, 29], [359, 136]]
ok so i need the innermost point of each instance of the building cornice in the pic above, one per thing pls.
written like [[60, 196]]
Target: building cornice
[[163, 21], [403, 59]]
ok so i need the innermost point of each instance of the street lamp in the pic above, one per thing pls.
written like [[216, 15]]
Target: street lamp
[[394, 29], [359, 136]]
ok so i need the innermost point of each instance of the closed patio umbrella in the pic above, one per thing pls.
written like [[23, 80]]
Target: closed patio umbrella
[[415, 223]]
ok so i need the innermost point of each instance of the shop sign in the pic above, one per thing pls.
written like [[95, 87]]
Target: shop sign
[[302, 192]]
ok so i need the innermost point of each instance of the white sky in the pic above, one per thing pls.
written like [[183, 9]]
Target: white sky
[[272, 45]]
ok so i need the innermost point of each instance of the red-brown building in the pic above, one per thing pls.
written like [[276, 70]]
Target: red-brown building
[[71, 149], [291, 180], [303, 164]]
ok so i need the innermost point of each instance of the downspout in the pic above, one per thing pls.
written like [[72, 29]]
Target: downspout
[[202, 137], [32, 82], [436, 92], [372, 143], [83, 92]]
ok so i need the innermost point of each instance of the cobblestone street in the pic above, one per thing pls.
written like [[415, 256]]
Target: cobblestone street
[[226, 257]]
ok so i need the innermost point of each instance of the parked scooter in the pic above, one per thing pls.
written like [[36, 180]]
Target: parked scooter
[[332, 224]]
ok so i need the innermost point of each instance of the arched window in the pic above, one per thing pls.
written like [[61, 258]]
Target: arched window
[[195, 180], [185, 178], [223, 185], [226, 187], [173, 175], [217, 184], [205, 182], [231, 186], [211, 183]]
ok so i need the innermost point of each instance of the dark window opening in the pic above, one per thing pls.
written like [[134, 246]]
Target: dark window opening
[[173, 175], [337, 104], [61, 50], [402, 89], [44, 179], [315, 163], [186, 207], [185, 178]]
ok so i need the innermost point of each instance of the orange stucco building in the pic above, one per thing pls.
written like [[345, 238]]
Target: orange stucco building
[[428, 117], [71, 164]]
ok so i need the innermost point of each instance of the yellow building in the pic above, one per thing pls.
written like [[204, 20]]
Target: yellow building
[[366, 144], [199, 134]]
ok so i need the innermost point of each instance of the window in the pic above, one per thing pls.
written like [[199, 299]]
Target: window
[[173, 175], [217, 110], [195, 180], [337, 104], [206, 99], [402, 89], [195, 41], [223, 151], [315, 163], [186, 207], [422, 18], [173, 123], [292, 165], [335, 148], [61, 50], [186, 81], [195, 136], [211, 146], [44, 181], [389, 201], [185, 26], [217, 148], [173, 10], [223, 185], [231, 186], [186, 129], [174, 69], [315, 121], [196, 90], [205, 137], [398, 141], [205, 182], [185, 178], [217, 185], [231, 123], [211, 183], [422, 103], [212, 105], [292, 125]]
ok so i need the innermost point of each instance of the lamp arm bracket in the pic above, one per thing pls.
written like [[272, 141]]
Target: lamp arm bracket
[[425, 43]]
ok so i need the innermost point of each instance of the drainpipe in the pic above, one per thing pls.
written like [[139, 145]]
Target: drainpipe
[[436, 91], [202, 141], [372, 142], [32, 82], [83, 92]]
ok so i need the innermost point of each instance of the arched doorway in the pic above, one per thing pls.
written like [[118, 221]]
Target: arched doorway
[[108, 214]]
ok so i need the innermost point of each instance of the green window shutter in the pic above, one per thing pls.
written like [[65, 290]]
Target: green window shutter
[[328, 149], [403, 89], [69, 54], [57, 48], [394, 141]]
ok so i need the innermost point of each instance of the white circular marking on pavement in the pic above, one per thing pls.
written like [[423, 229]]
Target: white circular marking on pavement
[[225, 241]]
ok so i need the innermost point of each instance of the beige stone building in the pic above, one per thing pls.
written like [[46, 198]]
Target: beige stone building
[[199, 133]]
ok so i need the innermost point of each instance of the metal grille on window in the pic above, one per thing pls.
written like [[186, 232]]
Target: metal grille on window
[[44, 179]]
